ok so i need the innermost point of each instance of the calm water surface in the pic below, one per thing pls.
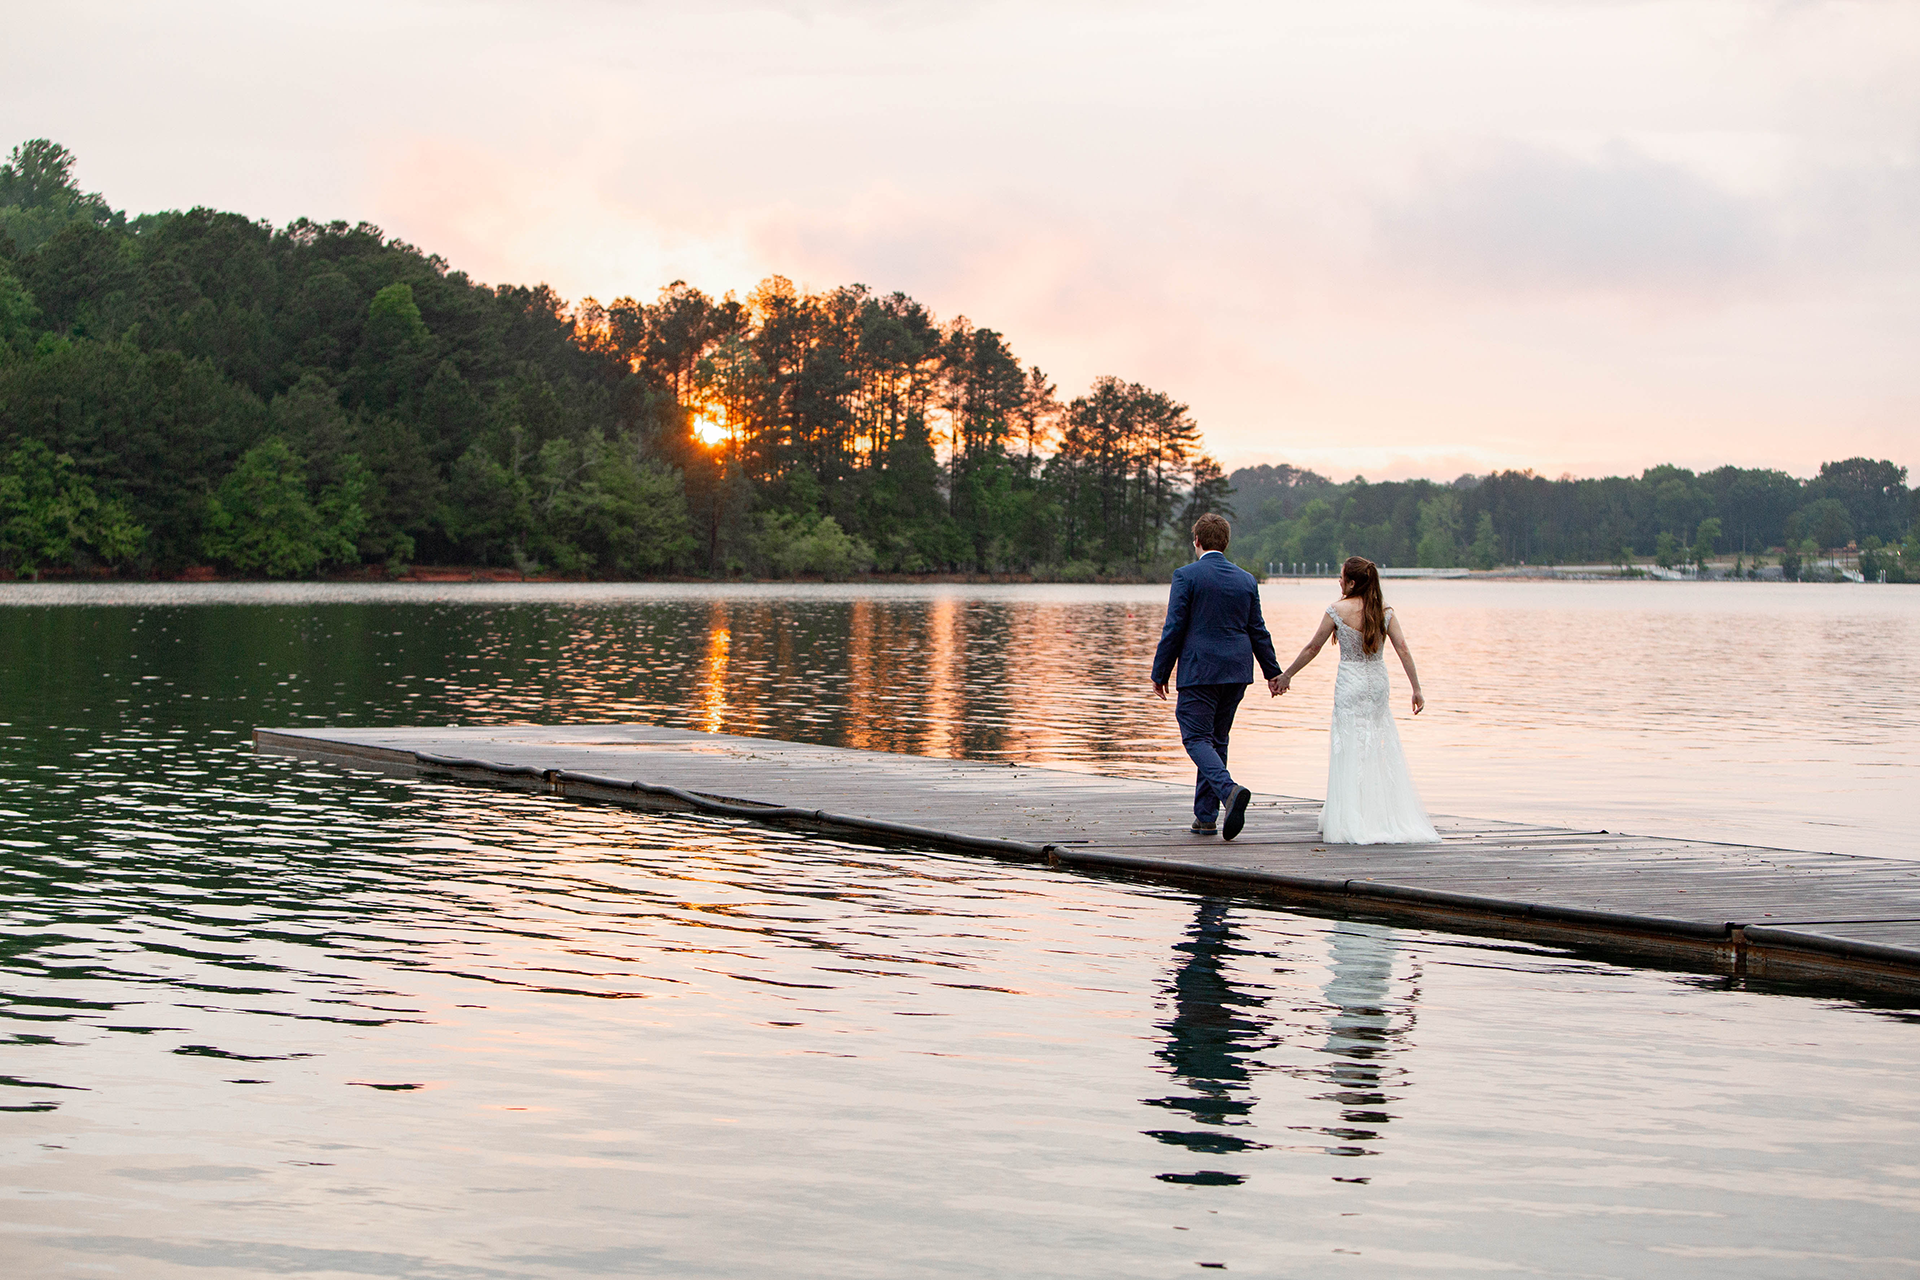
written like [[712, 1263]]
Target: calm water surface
[[266, 1017], [1776, 714]]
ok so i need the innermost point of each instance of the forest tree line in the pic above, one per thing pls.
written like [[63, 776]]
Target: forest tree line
[[181, 389], [198, 387], [1669, 515]]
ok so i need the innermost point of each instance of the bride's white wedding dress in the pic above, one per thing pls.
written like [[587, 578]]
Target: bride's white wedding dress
[[1370, 794]]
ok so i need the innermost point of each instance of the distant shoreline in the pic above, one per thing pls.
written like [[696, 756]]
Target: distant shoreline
[[442, 576]]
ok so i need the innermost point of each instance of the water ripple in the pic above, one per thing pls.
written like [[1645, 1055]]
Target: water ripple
[[481, 1033]]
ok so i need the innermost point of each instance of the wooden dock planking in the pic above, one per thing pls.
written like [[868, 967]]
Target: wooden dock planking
[[1735, 908]]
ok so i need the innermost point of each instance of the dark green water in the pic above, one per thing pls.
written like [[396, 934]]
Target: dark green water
[[272, 1018]]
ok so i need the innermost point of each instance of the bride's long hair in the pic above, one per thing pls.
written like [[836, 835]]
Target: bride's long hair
[[1360, 579]]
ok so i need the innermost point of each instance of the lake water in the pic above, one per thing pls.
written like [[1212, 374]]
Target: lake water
[[267, 1017]]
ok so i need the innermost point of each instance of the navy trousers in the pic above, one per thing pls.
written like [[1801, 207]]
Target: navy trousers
[[1205, 713]]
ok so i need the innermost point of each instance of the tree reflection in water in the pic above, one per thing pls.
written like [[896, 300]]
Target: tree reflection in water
[[1221, 1029]]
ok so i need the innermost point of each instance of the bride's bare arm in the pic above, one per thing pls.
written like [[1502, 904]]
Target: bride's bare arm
[[1399, 639], [1311, 650]]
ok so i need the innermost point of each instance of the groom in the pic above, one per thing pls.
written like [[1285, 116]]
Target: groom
[[1215, 630]]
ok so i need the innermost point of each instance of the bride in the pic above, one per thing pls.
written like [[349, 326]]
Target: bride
[[1370, 795]]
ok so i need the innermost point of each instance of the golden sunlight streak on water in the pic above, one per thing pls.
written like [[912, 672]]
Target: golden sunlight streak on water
[[713, 695], [945, 712], [860, 684]]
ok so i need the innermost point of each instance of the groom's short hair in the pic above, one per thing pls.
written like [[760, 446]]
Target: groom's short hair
[[1212, 532]]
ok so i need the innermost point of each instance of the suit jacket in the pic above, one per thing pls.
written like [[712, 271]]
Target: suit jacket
[[1214, 628]]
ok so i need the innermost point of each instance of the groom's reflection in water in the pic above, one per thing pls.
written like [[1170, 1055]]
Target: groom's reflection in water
[[1215, 1031], [1219, 1029]]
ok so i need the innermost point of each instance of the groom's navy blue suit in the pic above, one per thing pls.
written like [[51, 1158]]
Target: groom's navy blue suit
[[1214, 631]]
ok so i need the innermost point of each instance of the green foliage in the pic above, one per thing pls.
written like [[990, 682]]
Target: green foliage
[[17, 312], [39, 198], [1826, 522], [1124, 453], [1904, 567], [1704, 539], [1899, 561], [1314, 535], [1666, 550], [1439, 545], [1209, 492], [792, 545], [1798, 562], [393, 322], [1485, 552], [1563, 521], [1873, 493], [599, 507], [50, 515], [156, 429], [487, 514], [263, 519]]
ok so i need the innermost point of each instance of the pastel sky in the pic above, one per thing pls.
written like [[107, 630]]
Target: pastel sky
[[1392, 237]]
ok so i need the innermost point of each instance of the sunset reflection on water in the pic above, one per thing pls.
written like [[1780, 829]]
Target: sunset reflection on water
[[714, 707], [1763, 713]]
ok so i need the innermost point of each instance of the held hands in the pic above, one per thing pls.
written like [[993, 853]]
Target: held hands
[[1276, 686]]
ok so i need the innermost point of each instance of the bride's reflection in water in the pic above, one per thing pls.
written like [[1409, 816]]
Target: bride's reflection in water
[[1366, 1028], [1220, 1029]]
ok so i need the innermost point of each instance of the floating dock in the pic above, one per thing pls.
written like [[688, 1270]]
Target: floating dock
[[1725, 908]]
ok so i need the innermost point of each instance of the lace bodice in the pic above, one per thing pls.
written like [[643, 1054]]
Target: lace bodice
[[1353, 645]]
